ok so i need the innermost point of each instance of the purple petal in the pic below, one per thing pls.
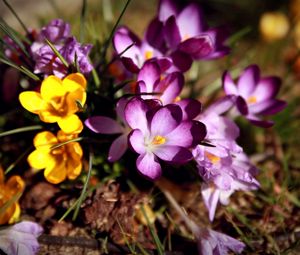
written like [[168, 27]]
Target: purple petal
[[147, 164], [222, 105], [165, 120], [173, 154], [181, 60], [228, 84], [190, 15], [187, 134], [248, 81], [242, 105], [118, 148], [103, 125], [190, 108], [268, 107], [260, 123], [197, 47], [120, 108], [130, 65], [135, 114], [171, 32], [149, 74], [137, 141], [164, 63], [210, 197], [267, 88], [166, 9], [154, 34], [170, 87]]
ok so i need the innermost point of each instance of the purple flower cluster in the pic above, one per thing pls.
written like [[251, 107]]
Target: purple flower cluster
[[20, 238], [171, 40], [159, 126], [46, 61]]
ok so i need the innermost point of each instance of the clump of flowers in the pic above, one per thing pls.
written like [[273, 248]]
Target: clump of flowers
[[59, 163], [134, 104], [10, 192]]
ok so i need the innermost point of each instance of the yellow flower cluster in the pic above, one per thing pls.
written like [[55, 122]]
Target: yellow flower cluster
[[58, 101], [59, 163], [9, 196]]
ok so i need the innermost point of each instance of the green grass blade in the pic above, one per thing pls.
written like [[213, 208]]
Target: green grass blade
[[154, 235], [55, 51], [16, 16], [115, 27], [82, 20], [83, 193], [66, 142], [6, 29], [20, 130], [22, 69], [11, 167], [126, 239]]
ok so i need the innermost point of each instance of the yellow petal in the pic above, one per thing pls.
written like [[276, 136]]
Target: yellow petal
[[74, 150], [63, 137], [8, 213], [73, 168], [49, 116], [39, 159], [15, 185], [76, 95], [70, 124], [52, 88], [56, 173], [73, 80], [16, 214], [31, 101], [46, 139]]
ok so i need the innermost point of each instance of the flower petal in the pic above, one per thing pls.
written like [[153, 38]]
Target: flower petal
[[70, 124], [103, 125], [228, 84], [56, 173], [171, 32], [149, 73], [190, 15], [135, 114], [170, 87], [173, 154], [147, 164], [45, 139], [166, 9], [118, 148], [73, 80], [31, 101], [267, 88], [73, 168], [52, 87], [137, 141], [210, 196], [248, 81], [165, 120], [190, 108]]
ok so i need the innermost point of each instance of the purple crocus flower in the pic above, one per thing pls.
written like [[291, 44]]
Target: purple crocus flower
[[20, 239], [160, 133], [223, 166], [255, 95], [188, 42], [135, 52], [215, 243], [58, 32], [106, 125], [151, 80]]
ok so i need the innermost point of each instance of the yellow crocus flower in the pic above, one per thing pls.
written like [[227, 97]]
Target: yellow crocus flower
[[59, 163], [57, 101], [9, 195]]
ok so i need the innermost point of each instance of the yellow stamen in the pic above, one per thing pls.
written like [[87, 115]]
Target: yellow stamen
[[148, 54], [158, 140], [212, 158], [252, 100]]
